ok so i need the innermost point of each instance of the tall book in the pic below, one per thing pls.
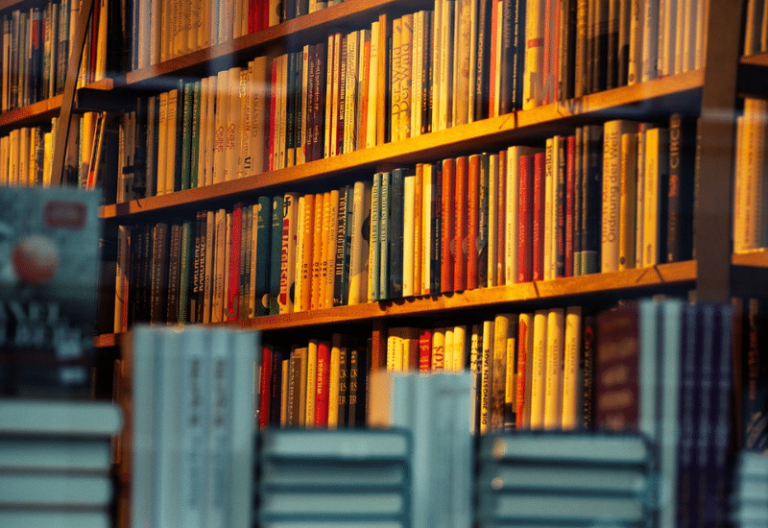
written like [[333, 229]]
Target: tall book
[[611, 211]]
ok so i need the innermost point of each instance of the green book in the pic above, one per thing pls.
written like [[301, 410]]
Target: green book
[[185, 277], [186, 136]]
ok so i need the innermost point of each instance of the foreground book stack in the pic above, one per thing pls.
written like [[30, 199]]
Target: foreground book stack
[[350, 477], [55, 458], [193, 431], [749, 508], [436, 408], [568, 479]]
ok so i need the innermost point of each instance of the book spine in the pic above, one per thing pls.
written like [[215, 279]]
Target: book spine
[[538, 222], [524, 240], [323, 384], [395, 233], [275, 254], [263, 258], [471, 220], [448, 223]]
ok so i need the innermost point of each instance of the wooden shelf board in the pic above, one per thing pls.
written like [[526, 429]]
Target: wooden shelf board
[[758, 59], [41, 111], [678, 273], [472, 137], [755, 258], [616, 282]]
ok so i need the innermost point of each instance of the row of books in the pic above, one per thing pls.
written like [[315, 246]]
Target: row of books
[[36, 45], [750, 229], [567, 479], [756, 27], [55, 462], [165, 30], [191, 438], [27, 154], [664, 368], [320, 383], [482, 220]]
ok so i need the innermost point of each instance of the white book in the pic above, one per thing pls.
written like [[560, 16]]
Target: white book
[[572, 371], [486, 377], [219, 463], [373, 87], [533, 80], [448, 349], [501, 337], [628, 201], [409, 250], [550, 207], [230, 119], [245, 123], [690, 17], [330, 98], [195, 381], [459, 348], [358, 263], [246, 350], [438, 349], [667, 40], [60, 518], [640, 192], [553, 398], [651, 49], [59, 418], [609, 249], [350, 94], [167, 429], [538, 365], [40, 454], [52, 490], [656, 171]]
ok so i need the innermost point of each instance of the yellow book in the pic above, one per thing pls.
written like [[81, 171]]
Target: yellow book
[[325, 245], [311, 362], [304, 253], [333, 387]]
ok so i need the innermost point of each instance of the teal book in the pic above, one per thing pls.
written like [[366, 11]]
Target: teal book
[[395, 235], [194, 162], [263, 252], [186, 135], [384, 237], [185, 270], [276, 248]]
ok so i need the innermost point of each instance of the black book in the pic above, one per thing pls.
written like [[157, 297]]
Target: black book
[[174, 270], [682, 152], [483, 58], [158, 273]]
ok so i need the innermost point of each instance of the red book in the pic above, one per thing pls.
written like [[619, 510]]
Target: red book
[[538, 217], [254, 16], [272, 114], [525, 220], [425, 350], [616, 378], [472, 220], [264, 388], [447, 225], [233, 292], [461, 202], [570, 183], [323, 384]]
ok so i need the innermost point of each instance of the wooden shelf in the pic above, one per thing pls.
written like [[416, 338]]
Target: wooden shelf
[[311, 28], [680, 274], [659, 95], [44, 110]]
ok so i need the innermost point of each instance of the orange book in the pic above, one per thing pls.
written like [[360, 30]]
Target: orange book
[[447, 225], [317, 254], [472, 220], [304, 280], [461, 240]]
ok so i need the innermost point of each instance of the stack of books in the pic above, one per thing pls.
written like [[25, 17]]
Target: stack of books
[[568, 479], [749, 506], [334, 478], [55, 460]]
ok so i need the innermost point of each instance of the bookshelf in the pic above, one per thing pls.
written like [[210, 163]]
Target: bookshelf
[[711, 93]]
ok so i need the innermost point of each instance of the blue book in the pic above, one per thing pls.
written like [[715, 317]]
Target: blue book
[[384, 238], [276, 248], [396, 193], [263, 255]]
